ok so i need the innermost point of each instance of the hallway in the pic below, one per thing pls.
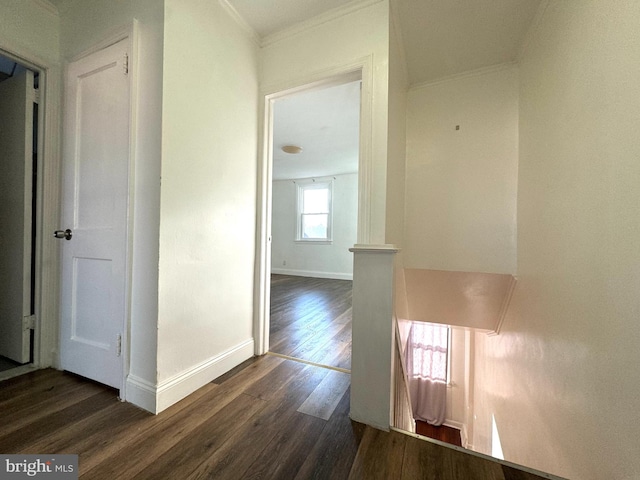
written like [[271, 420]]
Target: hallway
[[245, 424]]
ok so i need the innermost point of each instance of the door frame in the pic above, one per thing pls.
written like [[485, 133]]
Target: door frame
[[47, 211], [130, 32], [360, 69]]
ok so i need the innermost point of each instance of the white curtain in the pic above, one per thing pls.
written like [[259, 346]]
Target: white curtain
[[426, 361]]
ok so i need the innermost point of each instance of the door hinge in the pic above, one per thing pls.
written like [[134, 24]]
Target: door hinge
[[125, 64], [29, 323], [36, 92], [119, 345]]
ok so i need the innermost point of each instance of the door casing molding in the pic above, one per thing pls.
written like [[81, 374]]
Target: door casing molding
[[360, 69], [47, 205]]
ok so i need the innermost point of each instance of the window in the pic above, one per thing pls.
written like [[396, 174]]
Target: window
[[430, 344], [314, 211]]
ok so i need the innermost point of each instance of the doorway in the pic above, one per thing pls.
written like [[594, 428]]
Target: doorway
[[314, 221], [20, 141]]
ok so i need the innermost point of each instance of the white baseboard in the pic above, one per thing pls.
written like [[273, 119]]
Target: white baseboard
[[464, 437], [141, 393], [313, 274], [155, 399]]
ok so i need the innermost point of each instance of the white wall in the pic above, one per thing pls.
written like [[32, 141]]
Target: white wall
[[562, 377], [304, 56], [461, 185], [27, 26], [86, 23], [208, 204], [308, 259]]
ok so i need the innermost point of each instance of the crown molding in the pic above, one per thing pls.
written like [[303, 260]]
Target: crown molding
[[233, 13], [316, 21], [469, 73]]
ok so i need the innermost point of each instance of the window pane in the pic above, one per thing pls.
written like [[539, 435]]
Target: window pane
[[316, 200], [314, 226]]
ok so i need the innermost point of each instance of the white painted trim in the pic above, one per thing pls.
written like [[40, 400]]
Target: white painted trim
[[505, 306], [464, 437], [156, 398], [312, 274], [141, 393], [326, 183], [114, 36], [468, 74], [363, 69], [314, 22], [233, 13], [48, 313], [134, 88], [362, 248], [47, 208], [176, 388]]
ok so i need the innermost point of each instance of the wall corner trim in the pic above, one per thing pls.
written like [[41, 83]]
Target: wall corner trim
[[505, 306], [141, 393], [239, 19], [316, 21]]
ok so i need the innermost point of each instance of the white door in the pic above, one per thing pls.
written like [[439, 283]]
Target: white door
[[95, 206], [17, 96]]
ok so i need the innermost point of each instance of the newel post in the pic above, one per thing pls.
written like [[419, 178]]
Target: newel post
[[372, 334]]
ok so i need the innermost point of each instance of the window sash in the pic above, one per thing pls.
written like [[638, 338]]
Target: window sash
[[307, 228], [305, 214]]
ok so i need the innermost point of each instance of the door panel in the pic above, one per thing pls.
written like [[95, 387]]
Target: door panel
[[16, 163], [95, 202]]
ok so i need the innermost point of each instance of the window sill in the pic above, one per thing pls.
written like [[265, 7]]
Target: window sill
[[314, 242]]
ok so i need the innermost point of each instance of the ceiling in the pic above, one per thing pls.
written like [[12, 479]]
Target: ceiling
[[269, 16], [440, 38], [447, 37], [326, 124]]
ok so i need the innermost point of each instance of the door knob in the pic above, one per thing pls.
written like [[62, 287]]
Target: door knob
[[63, 234]]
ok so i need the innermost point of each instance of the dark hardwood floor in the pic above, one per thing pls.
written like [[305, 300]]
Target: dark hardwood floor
[[442, 433], [251, 423], [311, 319]]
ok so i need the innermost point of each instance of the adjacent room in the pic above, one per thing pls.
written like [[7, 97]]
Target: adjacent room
[[314, 222]]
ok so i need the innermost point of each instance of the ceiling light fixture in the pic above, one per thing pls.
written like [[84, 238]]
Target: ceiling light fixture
[[293, 149]]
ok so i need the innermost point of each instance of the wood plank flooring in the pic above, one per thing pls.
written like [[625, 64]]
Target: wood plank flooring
[[311, 319], [244, 425], [442, 433]]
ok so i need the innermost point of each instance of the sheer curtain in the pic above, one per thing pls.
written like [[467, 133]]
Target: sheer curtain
[[426, 360]]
